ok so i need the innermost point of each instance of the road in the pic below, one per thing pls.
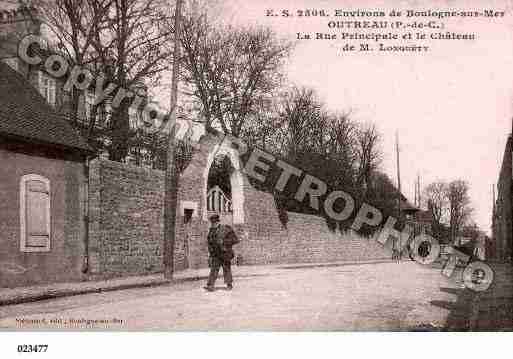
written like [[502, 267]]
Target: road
[[378, 296]]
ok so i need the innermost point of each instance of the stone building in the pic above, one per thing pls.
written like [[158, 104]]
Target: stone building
[[419, 219], [42, 188], [18, 22], [502, 229]]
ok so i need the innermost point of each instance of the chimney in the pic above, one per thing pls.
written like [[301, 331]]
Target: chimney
[[22, 20], [16, 23], [66, 107]]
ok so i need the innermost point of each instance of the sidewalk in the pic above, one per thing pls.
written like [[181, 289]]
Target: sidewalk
[[490, 310], [493, 309], [20, 295]]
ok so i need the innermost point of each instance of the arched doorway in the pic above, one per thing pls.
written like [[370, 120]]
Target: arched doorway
[[219, 189], [223, 191]]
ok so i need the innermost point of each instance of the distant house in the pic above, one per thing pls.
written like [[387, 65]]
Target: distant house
[[43, 188], [420, 220]]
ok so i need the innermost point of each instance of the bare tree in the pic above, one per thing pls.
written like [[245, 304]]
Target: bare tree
[[230, 71], [460, 209], [136, 44], [449, 204], [299, 116], [368, 154], [74, 26], [261, 132], [435, 195], [341, 148], [302, 130], [127, 40]]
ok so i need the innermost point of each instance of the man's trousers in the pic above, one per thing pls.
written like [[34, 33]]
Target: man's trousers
[[217, 263]]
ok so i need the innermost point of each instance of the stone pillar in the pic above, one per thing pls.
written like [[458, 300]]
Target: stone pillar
[[94, 217]]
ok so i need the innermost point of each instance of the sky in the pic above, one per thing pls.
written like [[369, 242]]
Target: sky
[[452, 106]]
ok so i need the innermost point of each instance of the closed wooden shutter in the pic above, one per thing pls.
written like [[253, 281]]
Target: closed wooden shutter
[[36, 221]]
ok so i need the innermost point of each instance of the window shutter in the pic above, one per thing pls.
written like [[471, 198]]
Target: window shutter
[[41, 84], [37, 205], [52, 89], [47, 87], [35, 214]]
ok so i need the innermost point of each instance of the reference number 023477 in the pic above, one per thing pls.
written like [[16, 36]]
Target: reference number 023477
[[36, 348]]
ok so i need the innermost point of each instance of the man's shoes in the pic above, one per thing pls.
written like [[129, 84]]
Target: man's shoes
[[229, 287], [209, 288]]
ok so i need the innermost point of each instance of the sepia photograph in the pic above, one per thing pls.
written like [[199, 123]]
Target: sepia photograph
[[199, 166]]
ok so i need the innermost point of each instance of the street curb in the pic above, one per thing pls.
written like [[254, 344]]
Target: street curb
[[74, 292], [61, 293]]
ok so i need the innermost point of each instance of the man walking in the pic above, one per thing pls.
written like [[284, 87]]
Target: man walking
[[220, 239]]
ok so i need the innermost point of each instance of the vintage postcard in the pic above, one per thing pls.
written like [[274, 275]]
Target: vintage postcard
[[297, 166]]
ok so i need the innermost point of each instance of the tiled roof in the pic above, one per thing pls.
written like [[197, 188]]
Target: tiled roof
[[407, 206], [25, 114]]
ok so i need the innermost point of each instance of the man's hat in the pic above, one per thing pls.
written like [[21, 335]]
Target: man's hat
[[214, 218]]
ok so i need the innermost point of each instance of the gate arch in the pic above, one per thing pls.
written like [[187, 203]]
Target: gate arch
[[236, 181]]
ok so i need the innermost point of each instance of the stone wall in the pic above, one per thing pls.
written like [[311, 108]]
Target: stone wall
[[302, 239], [126, 228], [126, 223], [126, 219]]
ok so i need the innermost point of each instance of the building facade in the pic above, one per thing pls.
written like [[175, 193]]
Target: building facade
[[43, 188], [107, 220], [93, 119], [502, 228]]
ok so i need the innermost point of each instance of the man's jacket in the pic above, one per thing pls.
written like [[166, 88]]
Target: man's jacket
[[220, 242]]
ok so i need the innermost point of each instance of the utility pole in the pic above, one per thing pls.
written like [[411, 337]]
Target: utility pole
[[418, 198], [171, 181], [397, 243], [420, 194], [415, 200]]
